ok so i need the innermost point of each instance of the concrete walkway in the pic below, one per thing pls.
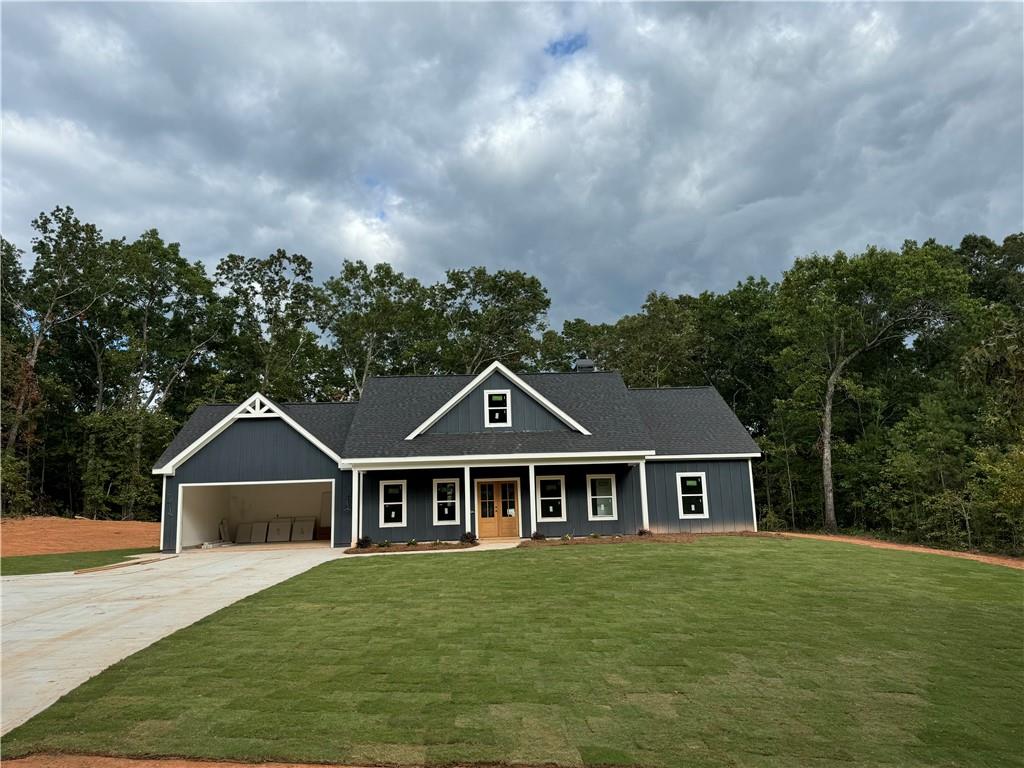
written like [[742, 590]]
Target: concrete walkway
[[60, 629]]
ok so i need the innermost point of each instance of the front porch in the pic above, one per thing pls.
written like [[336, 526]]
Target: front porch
[[498, 501]]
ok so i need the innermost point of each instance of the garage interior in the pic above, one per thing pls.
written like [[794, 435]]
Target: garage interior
[[276, 513]]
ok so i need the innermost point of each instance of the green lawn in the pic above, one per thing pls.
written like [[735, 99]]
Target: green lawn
[[65, 561], [732, 651]]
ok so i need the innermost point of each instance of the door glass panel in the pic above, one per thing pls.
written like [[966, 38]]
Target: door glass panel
[[508, 499], [487, 500]]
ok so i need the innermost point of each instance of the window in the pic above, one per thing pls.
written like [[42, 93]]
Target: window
[[392, 503], [497, 408], [446, 502], [601, 498], [551, 499], [691, 488]]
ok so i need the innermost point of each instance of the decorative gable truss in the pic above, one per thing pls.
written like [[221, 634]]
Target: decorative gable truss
[[256, 407], [496, 366]]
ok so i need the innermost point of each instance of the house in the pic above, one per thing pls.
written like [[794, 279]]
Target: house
[[430, 457]]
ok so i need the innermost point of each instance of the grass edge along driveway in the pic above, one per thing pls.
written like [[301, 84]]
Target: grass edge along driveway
[[727, 651], [22, 565]]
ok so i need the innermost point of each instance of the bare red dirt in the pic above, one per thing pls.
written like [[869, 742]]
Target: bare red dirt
[[51, 535], [864, 541]]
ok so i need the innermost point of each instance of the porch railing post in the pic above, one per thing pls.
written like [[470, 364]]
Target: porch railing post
[[533, 501], [644, 514], [470, 499]]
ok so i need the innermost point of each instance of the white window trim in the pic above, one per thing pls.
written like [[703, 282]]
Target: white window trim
[[590, 500], [508, 407], [703, 492], [405, 504], [458, 501], [540, 500]]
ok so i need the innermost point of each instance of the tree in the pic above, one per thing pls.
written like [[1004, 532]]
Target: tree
[[267, 344], [61, 287], [488, 317], [833, 310], [377, 323]]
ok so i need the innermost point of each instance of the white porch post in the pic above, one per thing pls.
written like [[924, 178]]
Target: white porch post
[[355, 507], [470, 498], [644, 514], [358, 482], [533, 501]]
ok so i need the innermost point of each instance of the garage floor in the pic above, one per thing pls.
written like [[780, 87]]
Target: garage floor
[[60, 629]]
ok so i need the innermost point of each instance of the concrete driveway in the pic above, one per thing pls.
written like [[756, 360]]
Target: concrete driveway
[[59, 629]]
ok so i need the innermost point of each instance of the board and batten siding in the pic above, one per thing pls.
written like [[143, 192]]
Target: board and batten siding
[[627, 500], [419, 488], [467, 416], [728, 494], [259, 450]]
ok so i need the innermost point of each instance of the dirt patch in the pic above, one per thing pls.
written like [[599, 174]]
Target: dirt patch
[[52, 535], [864, 541], [675, 538], [399, 547]]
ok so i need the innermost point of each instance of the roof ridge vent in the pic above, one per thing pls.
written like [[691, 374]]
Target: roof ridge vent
[[584, 365]]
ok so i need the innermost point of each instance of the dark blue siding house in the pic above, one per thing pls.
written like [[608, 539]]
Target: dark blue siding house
[[500, 455]]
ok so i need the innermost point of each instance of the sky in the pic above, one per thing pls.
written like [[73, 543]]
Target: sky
[[611, 150]]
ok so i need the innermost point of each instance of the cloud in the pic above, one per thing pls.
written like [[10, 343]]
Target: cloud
[[609, 149]]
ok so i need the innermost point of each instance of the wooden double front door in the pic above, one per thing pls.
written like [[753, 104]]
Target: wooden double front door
[[497, 508]]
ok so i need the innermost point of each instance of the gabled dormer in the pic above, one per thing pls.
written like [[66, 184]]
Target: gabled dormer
[[497, 400]]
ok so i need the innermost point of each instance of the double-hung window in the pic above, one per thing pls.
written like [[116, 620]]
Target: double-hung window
[[446, 502], [497, 408], [601, 498], [692, 494], [551, 499], [392, 503]]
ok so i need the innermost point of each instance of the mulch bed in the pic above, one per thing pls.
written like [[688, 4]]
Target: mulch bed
[[53, 535], [426, 546], [675, 538]]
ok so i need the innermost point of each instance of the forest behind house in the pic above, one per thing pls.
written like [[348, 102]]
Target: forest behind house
[[885, 388]]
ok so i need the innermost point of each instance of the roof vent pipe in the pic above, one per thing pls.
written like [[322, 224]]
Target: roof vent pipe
[[584, 365]]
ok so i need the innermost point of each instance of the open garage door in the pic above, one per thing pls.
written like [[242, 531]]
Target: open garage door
[[255, 513]]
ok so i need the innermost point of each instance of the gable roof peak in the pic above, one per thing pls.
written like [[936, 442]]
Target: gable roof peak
[[497, 367]]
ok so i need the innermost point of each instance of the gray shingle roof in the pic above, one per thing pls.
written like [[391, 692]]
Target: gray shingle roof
[[392, 407], [691, 420]]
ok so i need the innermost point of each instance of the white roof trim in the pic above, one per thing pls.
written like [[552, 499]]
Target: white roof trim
[[693, 456], [501, 459], [258, 406], [479, 379]]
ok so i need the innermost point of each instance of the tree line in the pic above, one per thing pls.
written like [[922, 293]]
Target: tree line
[[886, 388]]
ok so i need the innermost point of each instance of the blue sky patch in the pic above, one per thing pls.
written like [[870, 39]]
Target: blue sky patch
[[567, 46]]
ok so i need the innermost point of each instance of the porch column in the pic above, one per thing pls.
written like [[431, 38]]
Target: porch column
[[358, 480], [645, 516], [355, 507], [533, 501], [470, 496]]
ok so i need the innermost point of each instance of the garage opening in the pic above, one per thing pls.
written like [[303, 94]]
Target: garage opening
[[246, 514]]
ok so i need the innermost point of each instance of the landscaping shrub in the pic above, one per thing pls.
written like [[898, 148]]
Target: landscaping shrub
[[364, 542], [385, 543], [644, 532], [411, 543], [566, 538], [468, 538], [538, 536], [595, 535]]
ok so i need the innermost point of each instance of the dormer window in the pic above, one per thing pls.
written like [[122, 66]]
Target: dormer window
[[497, 408]]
